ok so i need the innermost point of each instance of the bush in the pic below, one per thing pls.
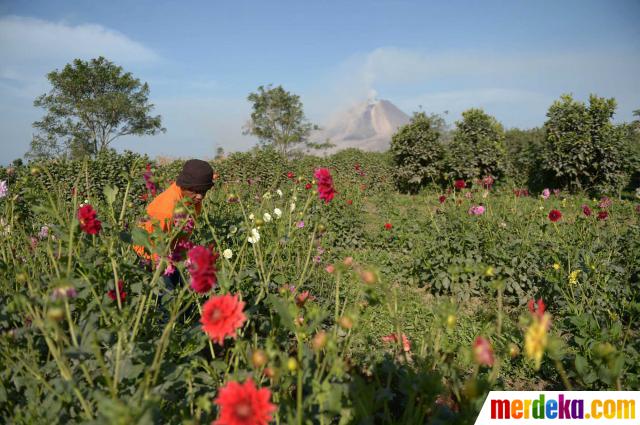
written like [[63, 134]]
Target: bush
[[478, 148], [524, 150], [584, 150], [417, 153]]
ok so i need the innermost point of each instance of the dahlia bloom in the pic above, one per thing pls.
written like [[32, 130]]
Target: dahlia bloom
[[482, 352], [113, 294], [586, 210], [555, 215], [546, 193], [227, 253], [603, 215], [442, 198], [222, 316], [536, 338], [487, 182], [88, 221], [459, 184], [277, 212], [151, 187], [605, 202], [4, 189], [255, 236], [44, 232], [202, 268], [476, 210], [244, 404], [388, 226], [393, 338], [326, 192]]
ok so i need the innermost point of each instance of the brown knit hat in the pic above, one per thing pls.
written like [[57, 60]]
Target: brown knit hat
[[196, 175]]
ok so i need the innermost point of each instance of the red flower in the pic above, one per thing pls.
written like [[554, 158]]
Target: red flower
[[349, 202], [487, 182], [442, 198], [538, 308], [357, 167], [326, 191], [303, 297], [88, 221], [586, 210], [113, 294], [222, 316], [392, 338], [603, 215], [244, 404], [308, 186], [202, 268], [555, 215], [290, 175], [460, 184], [388, 226], [482, 351]]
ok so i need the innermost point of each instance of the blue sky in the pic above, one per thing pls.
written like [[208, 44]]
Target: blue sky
[[201, 59]]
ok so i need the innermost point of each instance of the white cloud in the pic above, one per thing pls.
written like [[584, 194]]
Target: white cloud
[[508, 83], [32, 47]]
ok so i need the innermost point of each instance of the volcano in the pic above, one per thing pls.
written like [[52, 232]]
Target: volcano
[[367, 126]]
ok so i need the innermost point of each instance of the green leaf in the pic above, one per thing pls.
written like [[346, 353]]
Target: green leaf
[[110, 193]]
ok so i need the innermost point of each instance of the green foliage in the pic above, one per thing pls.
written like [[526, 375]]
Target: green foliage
[[524, 156], [91, 104], [418, 153], [477, 149], [278, 119], [584, 150]]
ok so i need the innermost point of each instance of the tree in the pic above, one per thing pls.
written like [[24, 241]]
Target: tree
[[278, 119], [524, 154], [584, 150], [89, 106], [417, 152], [477, 149]]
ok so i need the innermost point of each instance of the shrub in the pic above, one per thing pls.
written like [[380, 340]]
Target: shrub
[[478, 148], [417, 153], [584, 150]]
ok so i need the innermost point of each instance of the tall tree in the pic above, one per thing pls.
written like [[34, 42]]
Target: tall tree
[[477, 149], [278, 119], [584, 150], [91, 103]]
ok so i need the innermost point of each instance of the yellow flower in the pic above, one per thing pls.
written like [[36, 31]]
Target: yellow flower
[[556, 266], [573, 277], [536, 338]]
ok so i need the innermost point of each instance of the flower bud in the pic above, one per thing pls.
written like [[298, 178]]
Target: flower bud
[[345, 322], [368, 277], [259, 359], [292, 364], [348, 261], [319, 341], [514, 351], [21, 277], [451, 320], [55, 313]]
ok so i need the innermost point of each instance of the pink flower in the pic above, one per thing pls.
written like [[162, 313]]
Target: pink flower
[[546, 193], [476, 210], [482, 351], [393, 338]]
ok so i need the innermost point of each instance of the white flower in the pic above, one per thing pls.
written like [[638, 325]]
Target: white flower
[[255, 236], [279, 192], [4, 190], [227, 253], [266, 217], [251, 216], [277, 212], [267, 195], [293, 206]]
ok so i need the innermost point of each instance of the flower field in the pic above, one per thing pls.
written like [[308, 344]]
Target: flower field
[[310, 292]]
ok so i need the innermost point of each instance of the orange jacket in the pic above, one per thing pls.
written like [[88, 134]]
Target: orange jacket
[[160, 211]]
